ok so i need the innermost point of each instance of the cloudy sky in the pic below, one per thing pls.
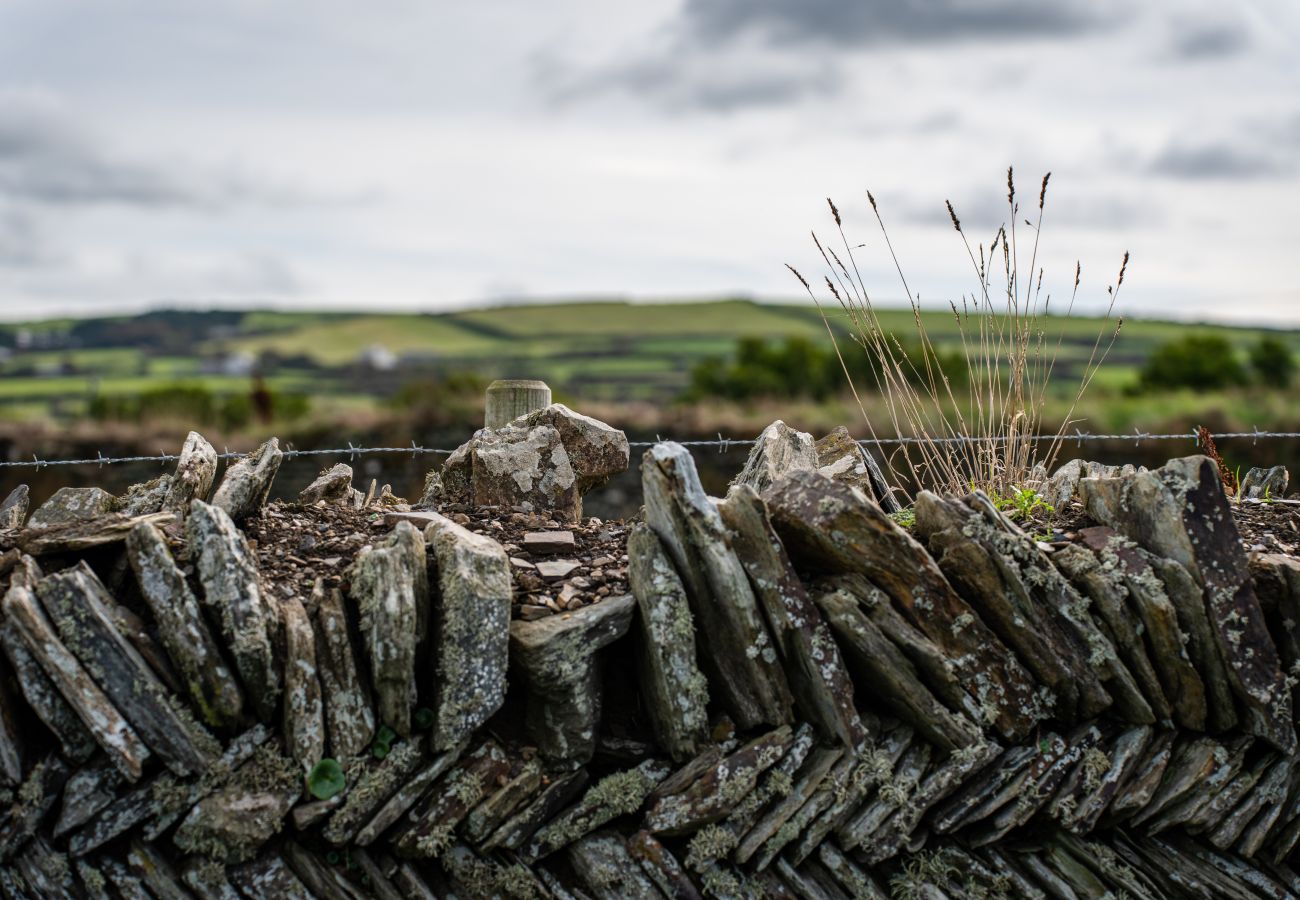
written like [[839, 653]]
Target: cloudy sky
[[430, 155]]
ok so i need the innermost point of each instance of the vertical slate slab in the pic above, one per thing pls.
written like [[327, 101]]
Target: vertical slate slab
[[677, 694], [234, 596], [390, 585], [470, 636], [744, 673], [1180, 512]]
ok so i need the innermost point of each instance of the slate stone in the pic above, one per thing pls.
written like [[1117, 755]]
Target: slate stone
[[234, 597], [13, 511], [676, 692], [390, 585], [245, 487], [470, 633], [743, 668], [349, 714], [195, 471], [211, 686], [1181, 513], [1260, 484], [835, 529], [69, 505], [334, 485], [842, 458], [778, 450], [818, 679]]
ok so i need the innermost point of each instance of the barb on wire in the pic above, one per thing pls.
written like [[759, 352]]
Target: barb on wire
[[724, 444]]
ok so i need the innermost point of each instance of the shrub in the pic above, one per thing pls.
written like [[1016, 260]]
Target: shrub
[[1273, 363], [1198, 361]]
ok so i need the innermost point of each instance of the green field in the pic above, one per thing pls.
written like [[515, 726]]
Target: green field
[[607, 351]]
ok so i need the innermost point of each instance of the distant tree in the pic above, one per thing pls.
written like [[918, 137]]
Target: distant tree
[[1273, 362], [1200, 362]]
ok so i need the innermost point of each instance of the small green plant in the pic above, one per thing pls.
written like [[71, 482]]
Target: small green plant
[[423, 718], [383, 742], [904, 517], [326, 779]]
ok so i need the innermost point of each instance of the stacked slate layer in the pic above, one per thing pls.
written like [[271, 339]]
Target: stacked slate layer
[[798, 698]]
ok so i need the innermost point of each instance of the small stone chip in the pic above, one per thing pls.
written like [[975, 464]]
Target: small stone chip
[[549, 542], [554, 570]]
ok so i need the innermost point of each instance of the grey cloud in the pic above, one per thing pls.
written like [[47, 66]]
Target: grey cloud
[[1215, 161], [848, 23], [1210, 43], [46, 160], [983, 212], [23, 243], [724, 55]]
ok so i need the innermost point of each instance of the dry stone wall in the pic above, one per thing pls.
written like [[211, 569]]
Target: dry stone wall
[[798, 697]]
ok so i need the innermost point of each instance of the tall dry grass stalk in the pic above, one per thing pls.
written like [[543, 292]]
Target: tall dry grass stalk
[[986, 433]]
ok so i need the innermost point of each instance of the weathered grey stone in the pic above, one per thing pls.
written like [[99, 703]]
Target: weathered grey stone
[[154, 871], [1180, 809], [523, 824], [743, 669], [470, 634], [1014, 590], [233, 594], [79, 606], [35, 800], [173, 800], [1061, 487], [87, 791], [770, 825], [231, 824], [603, 865], [373, 788], [614, 795], [1124, 756], [269, 876], [778, 450], [1271, 787], [246, 485], [43, 697], [558, 659], [885, 672], [184, 633], [1265, 483], [892, 799], [70, 505], [1180, 512], [818, 679], [433, 825], [12, 745], [80, 535], [504, 802], [661, 867], [719, 789], [348, 711], [97, 712], [304, 720], [834, 528], [1105, 587], [1141, 785], [195, 471], [390, 585], [334, 485], [144, 499], [13, 511], [842, 458], [597, 452], [677, 695]]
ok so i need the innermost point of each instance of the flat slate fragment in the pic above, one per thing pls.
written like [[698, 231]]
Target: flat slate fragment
[[390, 585], [245, 487], [304, 721], [431, 827], [613, 796]]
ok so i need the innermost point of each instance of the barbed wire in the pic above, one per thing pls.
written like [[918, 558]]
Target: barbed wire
[[723, 444]]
